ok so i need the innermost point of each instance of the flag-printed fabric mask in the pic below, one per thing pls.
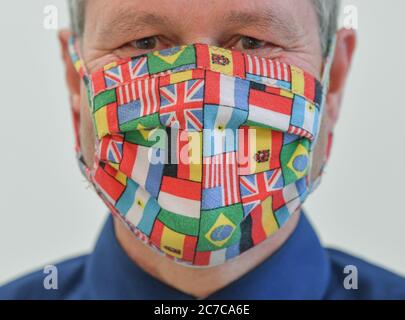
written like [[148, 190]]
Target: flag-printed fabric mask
[[202, 152]]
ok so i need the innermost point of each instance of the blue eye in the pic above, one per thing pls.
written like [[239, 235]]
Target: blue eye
[[249, 43], [148, 43]]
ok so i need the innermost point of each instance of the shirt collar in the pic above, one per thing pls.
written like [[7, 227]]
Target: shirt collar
[[300, 269]]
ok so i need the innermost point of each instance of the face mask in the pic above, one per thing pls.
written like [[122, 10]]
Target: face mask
[[202, 152]]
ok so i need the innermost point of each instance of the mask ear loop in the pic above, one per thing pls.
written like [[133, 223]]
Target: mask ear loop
[[75, 56], [80, 67], [326, 72], [325, 80]]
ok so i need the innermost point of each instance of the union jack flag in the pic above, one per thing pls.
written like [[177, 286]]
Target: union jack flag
[[138, 67], [113, 77], [182, 104], [111, 148], [257, 187], [135, 68]]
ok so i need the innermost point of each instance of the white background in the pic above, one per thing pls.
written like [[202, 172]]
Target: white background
[[47, 213]]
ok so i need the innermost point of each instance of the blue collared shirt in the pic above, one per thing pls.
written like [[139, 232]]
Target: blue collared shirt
[[300, 269]]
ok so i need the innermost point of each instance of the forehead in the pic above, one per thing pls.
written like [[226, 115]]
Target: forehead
[[201, 16]]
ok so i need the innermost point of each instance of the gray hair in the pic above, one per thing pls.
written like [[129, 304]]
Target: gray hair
[[77, 12], [328, 16], [327, 12]]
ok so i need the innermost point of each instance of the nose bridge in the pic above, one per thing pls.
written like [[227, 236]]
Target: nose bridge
[[201, 37], [198, 25], [204, 32]]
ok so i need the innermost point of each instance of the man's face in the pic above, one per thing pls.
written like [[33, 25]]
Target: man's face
[[285, 30]]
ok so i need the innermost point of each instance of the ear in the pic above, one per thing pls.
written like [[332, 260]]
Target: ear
[[72, 77], [345, 46]]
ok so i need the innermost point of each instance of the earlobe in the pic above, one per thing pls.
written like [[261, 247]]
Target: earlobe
[[71, 75], [345, 46], [75, 103]]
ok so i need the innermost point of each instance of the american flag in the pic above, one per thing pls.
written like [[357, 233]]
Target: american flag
[[267, 68], [146, 91], [221, 171]]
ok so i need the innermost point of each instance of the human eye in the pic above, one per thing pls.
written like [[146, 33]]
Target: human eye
[[254, 46], [141, 46], [249, 43], [148, 43]]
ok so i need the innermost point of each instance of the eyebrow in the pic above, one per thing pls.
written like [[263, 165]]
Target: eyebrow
[[266, 20], [124, 21]]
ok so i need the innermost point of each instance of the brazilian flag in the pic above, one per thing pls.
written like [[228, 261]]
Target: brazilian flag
[[220, 228], [295, 160], [172, 58]]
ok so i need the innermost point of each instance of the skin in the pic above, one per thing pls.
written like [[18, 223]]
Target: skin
[[286, 30]]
